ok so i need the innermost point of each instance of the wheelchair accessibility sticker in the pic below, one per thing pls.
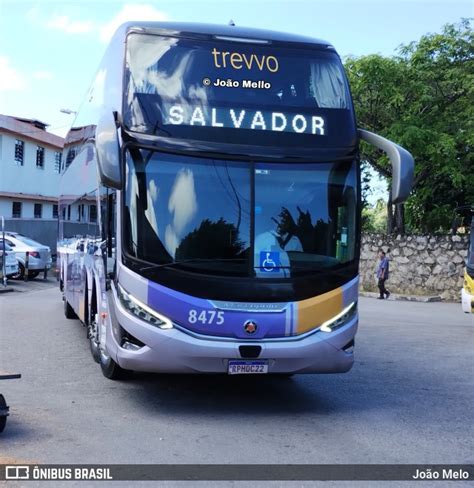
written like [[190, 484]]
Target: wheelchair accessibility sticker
[[269, 262]]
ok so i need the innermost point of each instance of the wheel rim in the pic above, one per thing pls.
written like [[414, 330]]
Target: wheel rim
[[92, 329], [93, 332], [21, 271]]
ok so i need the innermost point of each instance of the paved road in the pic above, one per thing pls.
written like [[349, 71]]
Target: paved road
[[408, 399]]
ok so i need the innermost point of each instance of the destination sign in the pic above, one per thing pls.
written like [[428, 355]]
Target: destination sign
[[240, 118]]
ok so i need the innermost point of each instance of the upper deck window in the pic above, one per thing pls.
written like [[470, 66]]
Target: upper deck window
[[191, 89]]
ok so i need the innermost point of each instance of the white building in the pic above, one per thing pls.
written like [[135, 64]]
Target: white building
[[30, 165]]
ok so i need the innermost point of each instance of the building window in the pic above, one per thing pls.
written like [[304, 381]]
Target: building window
[[69, 212], [57, 161], [19, 152], [40, 157], [93, 213], [55, 211], [71, 154], [16, 210], [38, 210], [80, 212]]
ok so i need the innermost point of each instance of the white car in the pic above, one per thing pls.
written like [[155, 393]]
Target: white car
[[11, 264], [39, 255]]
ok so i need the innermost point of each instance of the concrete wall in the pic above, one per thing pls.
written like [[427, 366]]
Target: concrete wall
[[43, 231], [419, 265], [46, 231]]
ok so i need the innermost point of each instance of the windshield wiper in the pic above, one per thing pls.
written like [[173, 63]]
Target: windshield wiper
[[190, 261]]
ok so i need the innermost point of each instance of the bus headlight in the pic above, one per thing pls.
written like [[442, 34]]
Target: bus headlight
[[340, 319], [141, 310]]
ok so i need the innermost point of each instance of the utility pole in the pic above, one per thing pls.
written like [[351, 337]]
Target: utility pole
[[4, 255]]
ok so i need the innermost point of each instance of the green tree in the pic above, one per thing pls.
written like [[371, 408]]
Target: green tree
[[422, 99], [374, 218]]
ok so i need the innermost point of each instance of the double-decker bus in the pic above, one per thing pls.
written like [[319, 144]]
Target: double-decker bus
[[210, 204]]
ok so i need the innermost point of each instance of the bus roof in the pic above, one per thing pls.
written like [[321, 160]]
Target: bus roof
[[227, 31]]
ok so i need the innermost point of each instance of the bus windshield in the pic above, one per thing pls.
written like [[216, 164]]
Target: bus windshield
[[239, 218], [225, 91]]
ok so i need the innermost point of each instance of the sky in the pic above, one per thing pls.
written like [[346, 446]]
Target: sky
[[50, 50]]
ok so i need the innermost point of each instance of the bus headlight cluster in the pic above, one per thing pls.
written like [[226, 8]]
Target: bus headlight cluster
[[141, 310], [340, 319]]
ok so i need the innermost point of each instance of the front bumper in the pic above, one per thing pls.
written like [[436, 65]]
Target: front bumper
[[177, 351], [11, 270]]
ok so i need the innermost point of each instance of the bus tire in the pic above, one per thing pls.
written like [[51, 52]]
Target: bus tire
[[21, 272], [68, 310], [3, 418], [86, 309], [110, 369], [93, 341], [92, 327]]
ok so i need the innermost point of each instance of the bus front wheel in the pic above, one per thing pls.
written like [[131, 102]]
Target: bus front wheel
[[110, 369], [93, 337], [3, 417]]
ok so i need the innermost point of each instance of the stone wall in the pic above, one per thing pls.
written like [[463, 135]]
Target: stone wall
[[419, 265]]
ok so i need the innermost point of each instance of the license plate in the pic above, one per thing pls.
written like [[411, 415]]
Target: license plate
[[248, 367]]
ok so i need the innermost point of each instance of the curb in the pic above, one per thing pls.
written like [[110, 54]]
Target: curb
[[405, 298], [5, 289]]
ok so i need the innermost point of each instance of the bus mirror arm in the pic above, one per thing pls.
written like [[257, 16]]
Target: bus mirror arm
[[108, 150], [403, 164], [118, 119]]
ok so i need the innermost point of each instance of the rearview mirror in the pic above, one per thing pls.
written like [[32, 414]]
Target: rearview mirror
[[108, 151], [403, 164]]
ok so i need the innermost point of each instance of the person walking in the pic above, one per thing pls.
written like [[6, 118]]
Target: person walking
[[382, 275]]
